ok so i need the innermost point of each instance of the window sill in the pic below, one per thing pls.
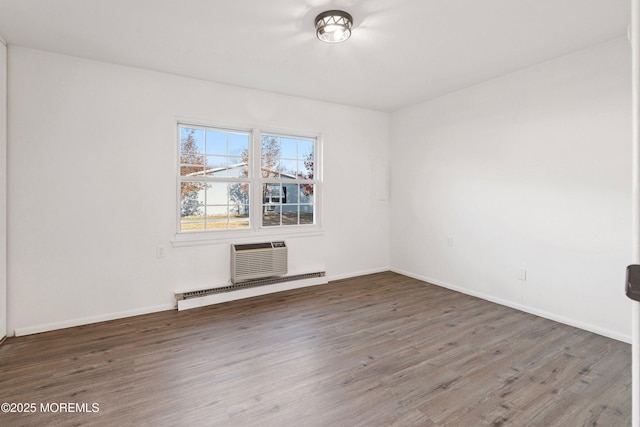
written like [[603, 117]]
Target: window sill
[[237, 236]]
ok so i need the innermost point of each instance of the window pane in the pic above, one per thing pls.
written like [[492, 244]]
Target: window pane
[[238, 206], [270, 215], [306, 193], [239, 217], [238, 144], [270, 160], [191, 206], [306, 214], [271, 172], [191, 201], [289, 148], [240, 211], [306, 166], [191, 150], [289, 193], [302, 172], [216, 166], [239, 194], [222, 205], [194, 137], [216, 211], [290, 215], [238, 160], [271, 194], [216, 142], [238, 170], [217, 216], [305, 148], [216, 193], [288, 169]]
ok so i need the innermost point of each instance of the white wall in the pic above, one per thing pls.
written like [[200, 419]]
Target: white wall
[[92, 150], [3, 189], [528, 171]]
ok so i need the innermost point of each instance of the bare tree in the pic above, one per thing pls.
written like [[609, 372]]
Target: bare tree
[[192, 162]]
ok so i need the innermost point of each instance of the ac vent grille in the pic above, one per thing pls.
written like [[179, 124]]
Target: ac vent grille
[[258, 261]]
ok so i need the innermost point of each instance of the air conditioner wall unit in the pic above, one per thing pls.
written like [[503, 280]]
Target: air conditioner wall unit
[[258, 260]]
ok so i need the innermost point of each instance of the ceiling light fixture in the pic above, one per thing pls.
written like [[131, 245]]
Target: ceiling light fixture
[[333, 26]]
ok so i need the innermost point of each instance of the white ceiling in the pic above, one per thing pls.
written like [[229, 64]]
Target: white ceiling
[[401, 52]]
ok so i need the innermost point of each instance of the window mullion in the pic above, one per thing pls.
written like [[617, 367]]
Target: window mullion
[[256, 181]]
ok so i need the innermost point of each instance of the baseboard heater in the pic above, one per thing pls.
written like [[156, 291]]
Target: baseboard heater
[[248, 284], [248, 289]]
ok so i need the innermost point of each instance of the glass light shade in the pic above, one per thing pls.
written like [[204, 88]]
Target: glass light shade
[[333, 26]]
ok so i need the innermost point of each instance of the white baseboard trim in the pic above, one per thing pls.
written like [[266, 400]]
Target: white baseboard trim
[[249, 292], [88, 320], [358, 273], [541, 313], [186, 304]]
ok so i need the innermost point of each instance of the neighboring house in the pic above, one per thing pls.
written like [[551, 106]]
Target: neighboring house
[[277, 197]]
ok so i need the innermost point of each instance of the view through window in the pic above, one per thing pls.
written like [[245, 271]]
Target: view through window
[[245, 179]]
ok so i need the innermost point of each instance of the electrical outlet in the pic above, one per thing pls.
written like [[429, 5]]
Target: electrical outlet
[[450, 241], [522, 274], [161, 251]]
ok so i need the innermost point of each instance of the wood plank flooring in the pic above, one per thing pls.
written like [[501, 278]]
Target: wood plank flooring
[[378, 350]]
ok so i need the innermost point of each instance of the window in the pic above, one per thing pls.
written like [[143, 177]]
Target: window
[[232, 179], [287, 170], [214, 179]]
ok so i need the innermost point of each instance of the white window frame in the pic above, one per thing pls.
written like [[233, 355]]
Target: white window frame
[[256, 230]]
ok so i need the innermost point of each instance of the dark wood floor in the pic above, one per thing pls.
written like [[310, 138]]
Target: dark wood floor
[[379, 350]]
